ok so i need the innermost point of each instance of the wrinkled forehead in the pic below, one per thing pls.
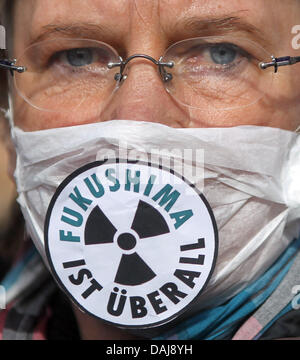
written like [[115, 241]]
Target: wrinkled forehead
[[120, 21]]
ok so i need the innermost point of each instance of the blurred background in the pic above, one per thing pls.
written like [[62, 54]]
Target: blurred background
[[9, 227], [7, 188], [11, 222]]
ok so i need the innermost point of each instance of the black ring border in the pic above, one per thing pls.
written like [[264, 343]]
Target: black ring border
[[95, 164]]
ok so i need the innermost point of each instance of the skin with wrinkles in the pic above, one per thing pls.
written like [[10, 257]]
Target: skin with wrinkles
[[149, 27]]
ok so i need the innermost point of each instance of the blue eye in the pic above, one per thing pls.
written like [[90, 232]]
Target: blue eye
[[79, 57], [223, 54]]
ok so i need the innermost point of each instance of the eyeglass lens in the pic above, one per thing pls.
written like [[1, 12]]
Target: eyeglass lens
[[69, 74]]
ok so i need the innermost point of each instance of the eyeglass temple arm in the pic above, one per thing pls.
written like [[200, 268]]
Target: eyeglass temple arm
[[281, 61], [10, 65]]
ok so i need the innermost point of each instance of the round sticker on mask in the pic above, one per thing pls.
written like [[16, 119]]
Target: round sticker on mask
[[132, 244]]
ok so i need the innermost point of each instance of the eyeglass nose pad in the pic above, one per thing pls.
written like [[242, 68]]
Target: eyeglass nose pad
[[167, 77], [120, 78]]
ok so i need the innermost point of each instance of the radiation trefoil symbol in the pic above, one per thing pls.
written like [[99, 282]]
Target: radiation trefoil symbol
[[148, 222], [131, 243]]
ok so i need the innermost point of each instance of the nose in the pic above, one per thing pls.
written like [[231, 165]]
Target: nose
[[142, 97]]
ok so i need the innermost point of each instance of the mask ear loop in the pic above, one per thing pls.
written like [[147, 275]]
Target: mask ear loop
[[298, 130]]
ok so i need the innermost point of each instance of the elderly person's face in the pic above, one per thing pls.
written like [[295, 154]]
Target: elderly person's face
[[149, 27]]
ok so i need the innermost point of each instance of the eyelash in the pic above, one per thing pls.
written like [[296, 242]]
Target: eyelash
[[51, 57]]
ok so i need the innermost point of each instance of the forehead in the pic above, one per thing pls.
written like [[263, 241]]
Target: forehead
[[171, 18], [122, 12]]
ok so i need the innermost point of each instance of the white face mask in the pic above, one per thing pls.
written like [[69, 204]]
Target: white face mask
[[250, 179]]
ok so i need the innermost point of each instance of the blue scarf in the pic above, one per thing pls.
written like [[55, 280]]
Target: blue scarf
[[223, 321]]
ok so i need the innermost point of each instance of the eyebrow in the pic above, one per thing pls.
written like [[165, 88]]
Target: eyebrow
[[223, 25], [80, 30], [199, 27]]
